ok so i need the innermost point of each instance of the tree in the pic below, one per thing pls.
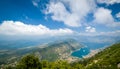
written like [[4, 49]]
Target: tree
[[45, 64], [29, 62]]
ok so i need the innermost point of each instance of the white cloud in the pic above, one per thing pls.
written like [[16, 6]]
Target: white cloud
[[75, 16], [111, 33], [35, 2], [108, 2], [118, 15], [107, 34], [90, 29], [104, 16], [19, 28], [61, 14], [100, 37], [102, 40]]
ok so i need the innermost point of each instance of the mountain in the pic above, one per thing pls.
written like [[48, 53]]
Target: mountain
[[51, 51], [108, 58], [59, 50]]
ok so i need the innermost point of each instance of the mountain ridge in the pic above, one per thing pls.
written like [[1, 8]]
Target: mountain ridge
[[50, 51]]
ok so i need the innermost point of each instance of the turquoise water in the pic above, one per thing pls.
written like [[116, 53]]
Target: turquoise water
[[82, 52]]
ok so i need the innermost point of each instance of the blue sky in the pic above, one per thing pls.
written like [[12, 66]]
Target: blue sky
[[38, 18]]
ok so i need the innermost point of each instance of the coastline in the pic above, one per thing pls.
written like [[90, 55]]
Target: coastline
[[92, 53]]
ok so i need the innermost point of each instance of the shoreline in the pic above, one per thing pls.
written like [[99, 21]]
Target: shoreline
[[92, 53]]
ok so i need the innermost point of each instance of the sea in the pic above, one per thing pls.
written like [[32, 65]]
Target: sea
[[81, 52], [86, 50]]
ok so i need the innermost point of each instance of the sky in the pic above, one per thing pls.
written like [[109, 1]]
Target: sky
[[92, 20]]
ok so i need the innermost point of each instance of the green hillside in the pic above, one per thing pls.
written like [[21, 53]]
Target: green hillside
[[109, 58]]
